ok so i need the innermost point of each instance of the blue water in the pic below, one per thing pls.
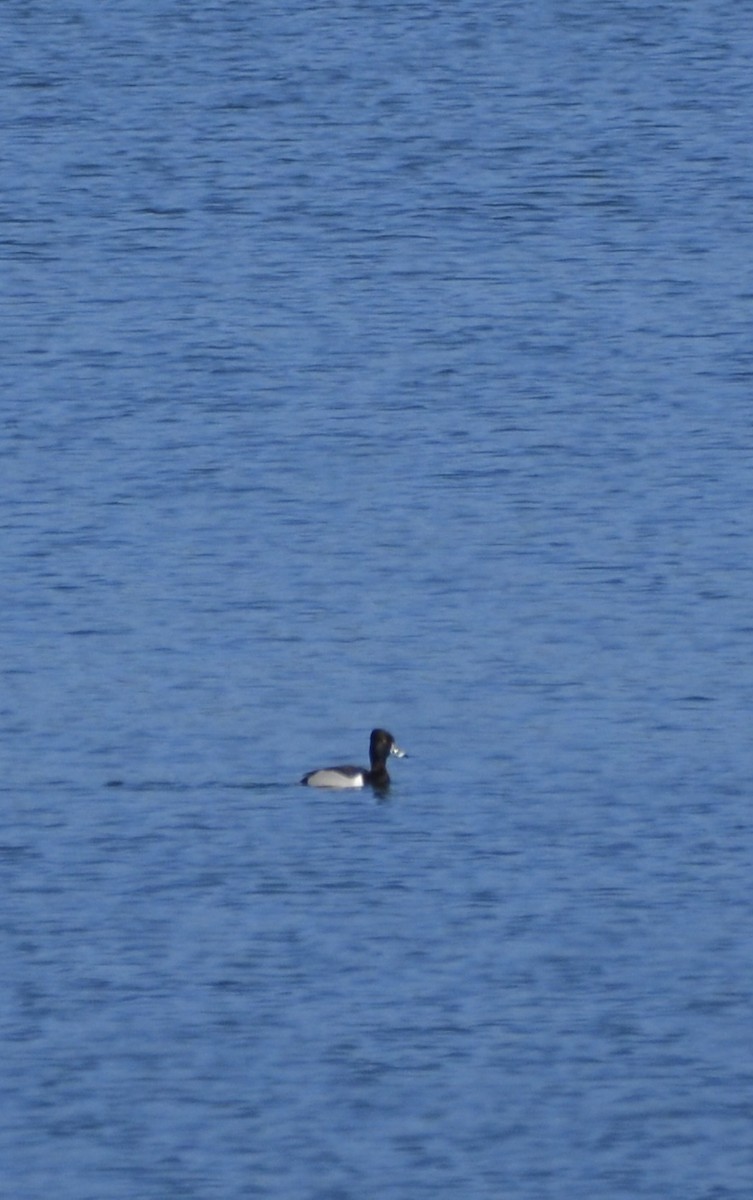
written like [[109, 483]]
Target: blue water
[[376, 364]]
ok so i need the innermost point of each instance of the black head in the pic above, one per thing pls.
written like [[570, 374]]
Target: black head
[[381, 745]]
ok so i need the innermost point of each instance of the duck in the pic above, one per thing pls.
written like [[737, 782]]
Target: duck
[[381, 745]]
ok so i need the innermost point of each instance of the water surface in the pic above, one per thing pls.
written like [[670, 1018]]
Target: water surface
[[376, 365]]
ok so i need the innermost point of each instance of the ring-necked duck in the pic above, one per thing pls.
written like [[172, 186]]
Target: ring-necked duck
[[381, 745]]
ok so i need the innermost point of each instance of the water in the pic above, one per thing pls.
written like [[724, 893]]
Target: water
[[376, 364]]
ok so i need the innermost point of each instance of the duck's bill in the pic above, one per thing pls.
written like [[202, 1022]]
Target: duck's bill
[[394, 749]]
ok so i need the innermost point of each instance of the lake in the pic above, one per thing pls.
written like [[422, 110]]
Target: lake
[[376, 365]]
